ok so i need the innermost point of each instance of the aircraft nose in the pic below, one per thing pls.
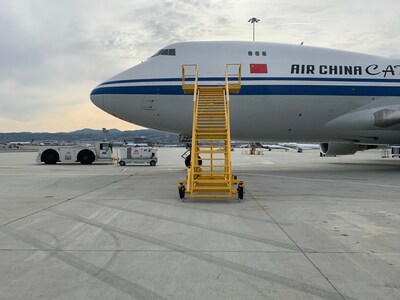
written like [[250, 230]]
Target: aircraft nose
[[97, 99], [125, 107]]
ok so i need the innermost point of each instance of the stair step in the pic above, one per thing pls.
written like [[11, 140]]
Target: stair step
[[219, 128], [212, 147], [214, 137], [205, 121], [212, 195], [211, 113], [211, 151], [212, 99], [214, 167], [213, 123], [212, 117], [210, 103], [211, 133], [209, 158], [214, 182], [210, 109], [210, 139], [207, 96], [211, 189], [211, 174], [216, 100]]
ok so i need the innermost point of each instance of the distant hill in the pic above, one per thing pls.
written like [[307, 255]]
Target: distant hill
[[148, 135]]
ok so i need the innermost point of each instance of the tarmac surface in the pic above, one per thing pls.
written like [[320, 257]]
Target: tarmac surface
[[307, 228]]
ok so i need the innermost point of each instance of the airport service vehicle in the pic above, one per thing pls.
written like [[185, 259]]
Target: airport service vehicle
[[101, 151], [392, 151], [135, 155], [294, 93]]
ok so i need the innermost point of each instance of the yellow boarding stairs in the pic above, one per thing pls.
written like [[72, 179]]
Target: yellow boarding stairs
[[210, 172]]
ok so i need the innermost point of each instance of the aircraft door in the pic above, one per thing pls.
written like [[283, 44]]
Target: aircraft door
[[105, 150]]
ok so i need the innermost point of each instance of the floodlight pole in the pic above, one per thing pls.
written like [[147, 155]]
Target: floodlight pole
[[253, 21]]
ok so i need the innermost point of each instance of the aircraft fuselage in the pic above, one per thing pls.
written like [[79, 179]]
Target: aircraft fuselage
[[289, 92]]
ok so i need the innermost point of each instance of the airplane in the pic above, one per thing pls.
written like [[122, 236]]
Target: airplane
[[301, 147], [137, 145], [18, 144], [343, 100], [271, 147]]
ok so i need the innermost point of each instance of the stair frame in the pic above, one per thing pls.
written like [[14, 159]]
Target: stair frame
[[211, 137]]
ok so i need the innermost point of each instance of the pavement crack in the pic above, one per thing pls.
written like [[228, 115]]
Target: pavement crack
[[300, 249], [205, 227], [231, 265], [62, 202]]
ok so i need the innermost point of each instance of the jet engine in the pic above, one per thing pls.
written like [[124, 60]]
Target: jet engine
[[343, 148]]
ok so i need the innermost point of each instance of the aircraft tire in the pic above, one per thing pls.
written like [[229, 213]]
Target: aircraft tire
[[188, 162], [86, 157], [50, 157]]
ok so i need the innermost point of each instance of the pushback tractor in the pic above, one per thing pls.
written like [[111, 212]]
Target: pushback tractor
[[209, 174], [86, 155]]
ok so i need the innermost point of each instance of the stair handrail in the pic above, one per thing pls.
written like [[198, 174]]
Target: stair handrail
[[234, 86], [191, 169], [189, 88], [228, 168]]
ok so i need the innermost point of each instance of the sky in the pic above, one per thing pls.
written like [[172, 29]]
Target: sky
[[54, 52]]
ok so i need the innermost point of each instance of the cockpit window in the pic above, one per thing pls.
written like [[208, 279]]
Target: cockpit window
[[165, 52]]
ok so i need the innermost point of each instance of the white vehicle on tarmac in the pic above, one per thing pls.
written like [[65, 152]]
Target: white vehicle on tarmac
[[135, 155], [86, 155]]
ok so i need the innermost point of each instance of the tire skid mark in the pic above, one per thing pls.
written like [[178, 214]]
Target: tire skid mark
[[196, 208], [66, 200], [368, 184], [128, 287], [288, 246], [301, 250], [264, 275]]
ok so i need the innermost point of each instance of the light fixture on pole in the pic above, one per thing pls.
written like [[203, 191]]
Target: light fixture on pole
[[253, 21]]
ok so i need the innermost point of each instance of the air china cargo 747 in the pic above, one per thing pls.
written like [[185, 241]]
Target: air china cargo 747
[[346, 101]]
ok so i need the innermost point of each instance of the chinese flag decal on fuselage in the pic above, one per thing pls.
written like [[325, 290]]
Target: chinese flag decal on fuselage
[[258, 69]]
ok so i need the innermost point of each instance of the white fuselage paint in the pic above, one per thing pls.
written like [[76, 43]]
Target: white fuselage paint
[[307, 94]]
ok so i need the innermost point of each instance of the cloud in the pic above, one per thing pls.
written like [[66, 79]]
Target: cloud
[[54, 52]]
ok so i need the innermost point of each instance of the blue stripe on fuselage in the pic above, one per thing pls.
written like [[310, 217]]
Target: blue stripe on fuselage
[[323, 90], [219, 79]]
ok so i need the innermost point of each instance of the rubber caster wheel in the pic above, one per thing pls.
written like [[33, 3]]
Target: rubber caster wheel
[[181, 191], [240, 191]]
